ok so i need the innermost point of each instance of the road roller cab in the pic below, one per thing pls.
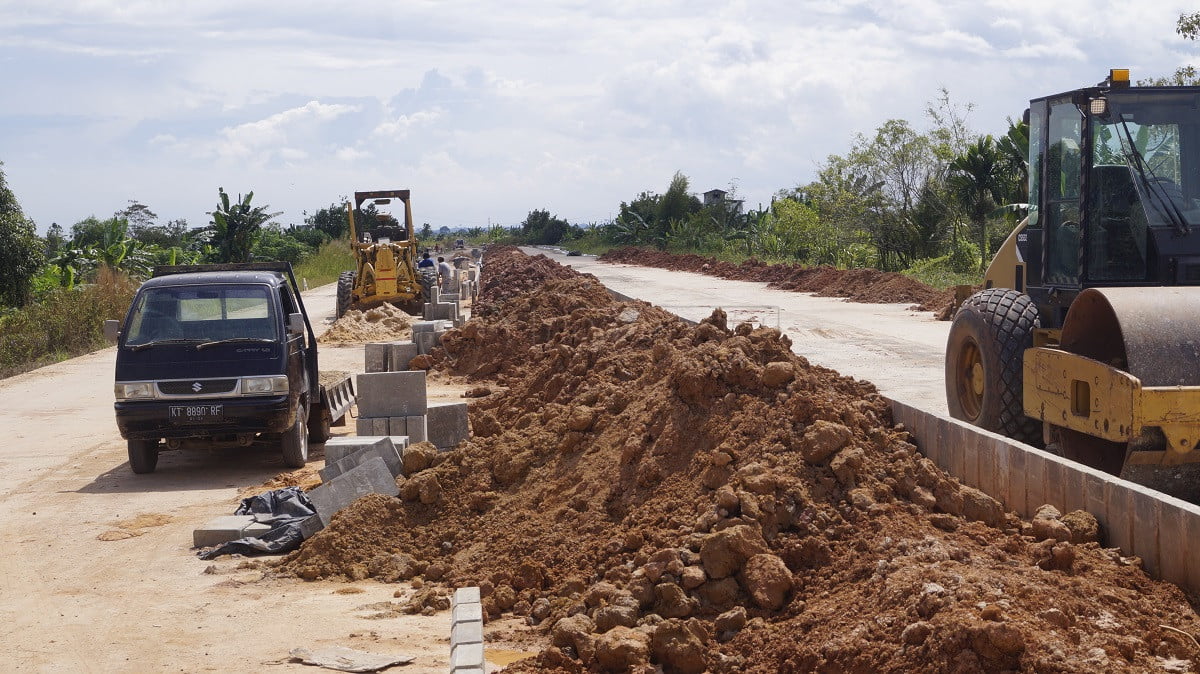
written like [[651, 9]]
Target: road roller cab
[[1087, 334]]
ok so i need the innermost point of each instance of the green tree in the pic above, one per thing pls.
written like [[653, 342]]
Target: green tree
[[542, 228], [333, 220], [22, 253], [975, 177], [55, 240], [275, 244], [676, 203], [138, 215], [1013, 148], [236, 226]]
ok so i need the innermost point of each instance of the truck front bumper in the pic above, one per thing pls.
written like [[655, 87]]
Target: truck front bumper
[[154, 419]]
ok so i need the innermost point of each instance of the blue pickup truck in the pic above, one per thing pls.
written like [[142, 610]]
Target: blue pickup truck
[[221, 356]]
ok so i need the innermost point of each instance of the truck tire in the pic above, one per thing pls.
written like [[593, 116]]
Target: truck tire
[[318, 426], [345, 288], [428, 280], [295, 443], [143, 455], [984, 361]]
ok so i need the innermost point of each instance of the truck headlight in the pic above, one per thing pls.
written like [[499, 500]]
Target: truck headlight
[[262, 385], [144, 389]]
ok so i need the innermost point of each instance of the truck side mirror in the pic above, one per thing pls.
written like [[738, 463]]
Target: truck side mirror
[[112, 329], [295, 324]]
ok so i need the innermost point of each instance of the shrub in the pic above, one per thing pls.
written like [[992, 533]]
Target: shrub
[[65, 323]]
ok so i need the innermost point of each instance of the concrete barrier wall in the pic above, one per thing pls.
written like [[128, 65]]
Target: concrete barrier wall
[[1139, 521]]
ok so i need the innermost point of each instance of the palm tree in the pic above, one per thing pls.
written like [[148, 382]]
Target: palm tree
[[975, 177], [1013, 148], [236, 226]]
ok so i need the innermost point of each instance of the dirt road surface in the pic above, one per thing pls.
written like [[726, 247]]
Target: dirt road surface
[[97, 571], [901, 351]]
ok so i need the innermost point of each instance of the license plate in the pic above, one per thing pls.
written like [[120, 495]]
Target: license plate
[[197, 414]]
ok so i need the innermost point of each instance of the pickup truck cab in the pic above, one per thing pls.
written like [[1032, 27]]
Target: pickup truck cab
[[218, 356]]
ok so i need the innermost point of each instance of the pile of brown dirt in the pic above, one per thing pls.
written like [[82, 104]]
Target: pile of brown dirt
[[699, 498], [856, 285], [384, 323], [498, 284]]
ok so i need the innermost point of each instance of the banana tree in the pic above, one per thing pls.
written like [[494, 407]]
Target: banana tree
[[236, 226]]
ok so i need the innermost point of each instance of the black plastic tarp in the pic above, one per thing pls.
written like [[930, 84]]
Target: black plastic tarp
[[284, 509]]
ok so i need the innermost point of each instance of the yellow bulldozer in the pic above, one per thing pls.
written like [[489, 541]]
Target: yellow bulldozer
[[1086, 337], [385, 257]]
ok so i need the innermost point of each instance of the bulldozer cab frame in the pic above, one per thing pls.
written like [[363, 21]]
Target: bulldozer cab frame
[[381, 197], [1114, 184]]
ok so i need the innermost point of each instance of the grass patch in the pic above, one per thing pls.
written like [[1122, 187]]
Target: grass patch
[[64, 324], [939, 273], [324, 266]]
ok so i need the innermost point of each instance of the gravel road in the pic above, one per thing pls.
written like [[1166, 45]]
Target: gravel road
[[97, 571]]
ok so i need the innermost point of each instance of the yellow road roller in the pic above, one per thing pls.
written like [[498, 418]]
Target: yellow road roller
[[1086, 336]]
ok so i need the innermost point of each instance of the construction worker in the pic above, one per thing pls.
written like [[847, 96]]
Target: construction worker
[[446, 272], [425, 261]]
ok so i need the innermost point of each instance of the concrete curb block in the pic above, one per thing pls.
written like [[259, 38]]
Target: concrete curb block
[[1138, 520], [227, 528], [466, 632]]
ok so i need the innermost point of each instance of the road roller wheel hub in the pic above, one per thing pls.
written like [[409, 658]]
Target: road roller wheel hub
[[972, 381]]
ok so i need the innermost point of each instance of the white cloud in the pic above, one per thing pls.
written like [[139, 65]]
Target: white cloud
[[399, 127], [350, 154], [261, 138], [569, 106]]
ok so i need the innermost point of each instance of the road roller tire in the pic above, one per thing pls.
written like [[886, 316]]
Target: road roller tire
[[344, 288], [984, 355]]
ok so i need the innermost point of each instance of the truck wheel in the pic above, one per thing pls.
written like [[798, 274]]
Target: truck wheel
[[984, 358], [295, 443], [344, 289], [318, 426], [428, 281], [143, 455]]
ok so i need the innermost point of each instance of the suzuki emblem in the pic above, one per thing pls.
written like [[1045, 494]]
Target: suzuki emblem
[[196, 387]]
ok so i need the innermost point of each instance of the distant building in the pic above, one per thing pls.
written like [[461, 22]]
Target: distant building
[[713, 197]]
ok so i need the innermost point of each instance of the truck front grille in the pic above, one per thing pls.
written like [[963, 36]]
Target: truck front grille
[[196, 387]]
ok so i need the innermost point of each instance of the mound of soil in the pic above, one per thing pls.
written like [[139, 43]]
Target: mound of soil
[[650, 493], [381, 324], [856, 285]]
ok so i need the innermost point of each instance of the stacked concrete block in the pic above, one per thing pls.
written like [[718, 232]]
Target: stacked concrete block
[[339, 448], [466, 632], [393, 403], [372, 476], [426, 341], [447, 424], [228, 528], [391, 394], [376, 357], [400, 354], [372, 426], [441, 311], [368, 447], [412, 426]]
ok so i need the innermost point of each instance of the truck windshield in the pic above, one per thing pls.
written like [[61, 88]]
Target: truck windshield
[[202, 314]]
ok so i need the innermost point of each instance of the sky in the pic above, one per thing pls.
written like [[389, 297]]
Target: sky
[[489, 110]]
